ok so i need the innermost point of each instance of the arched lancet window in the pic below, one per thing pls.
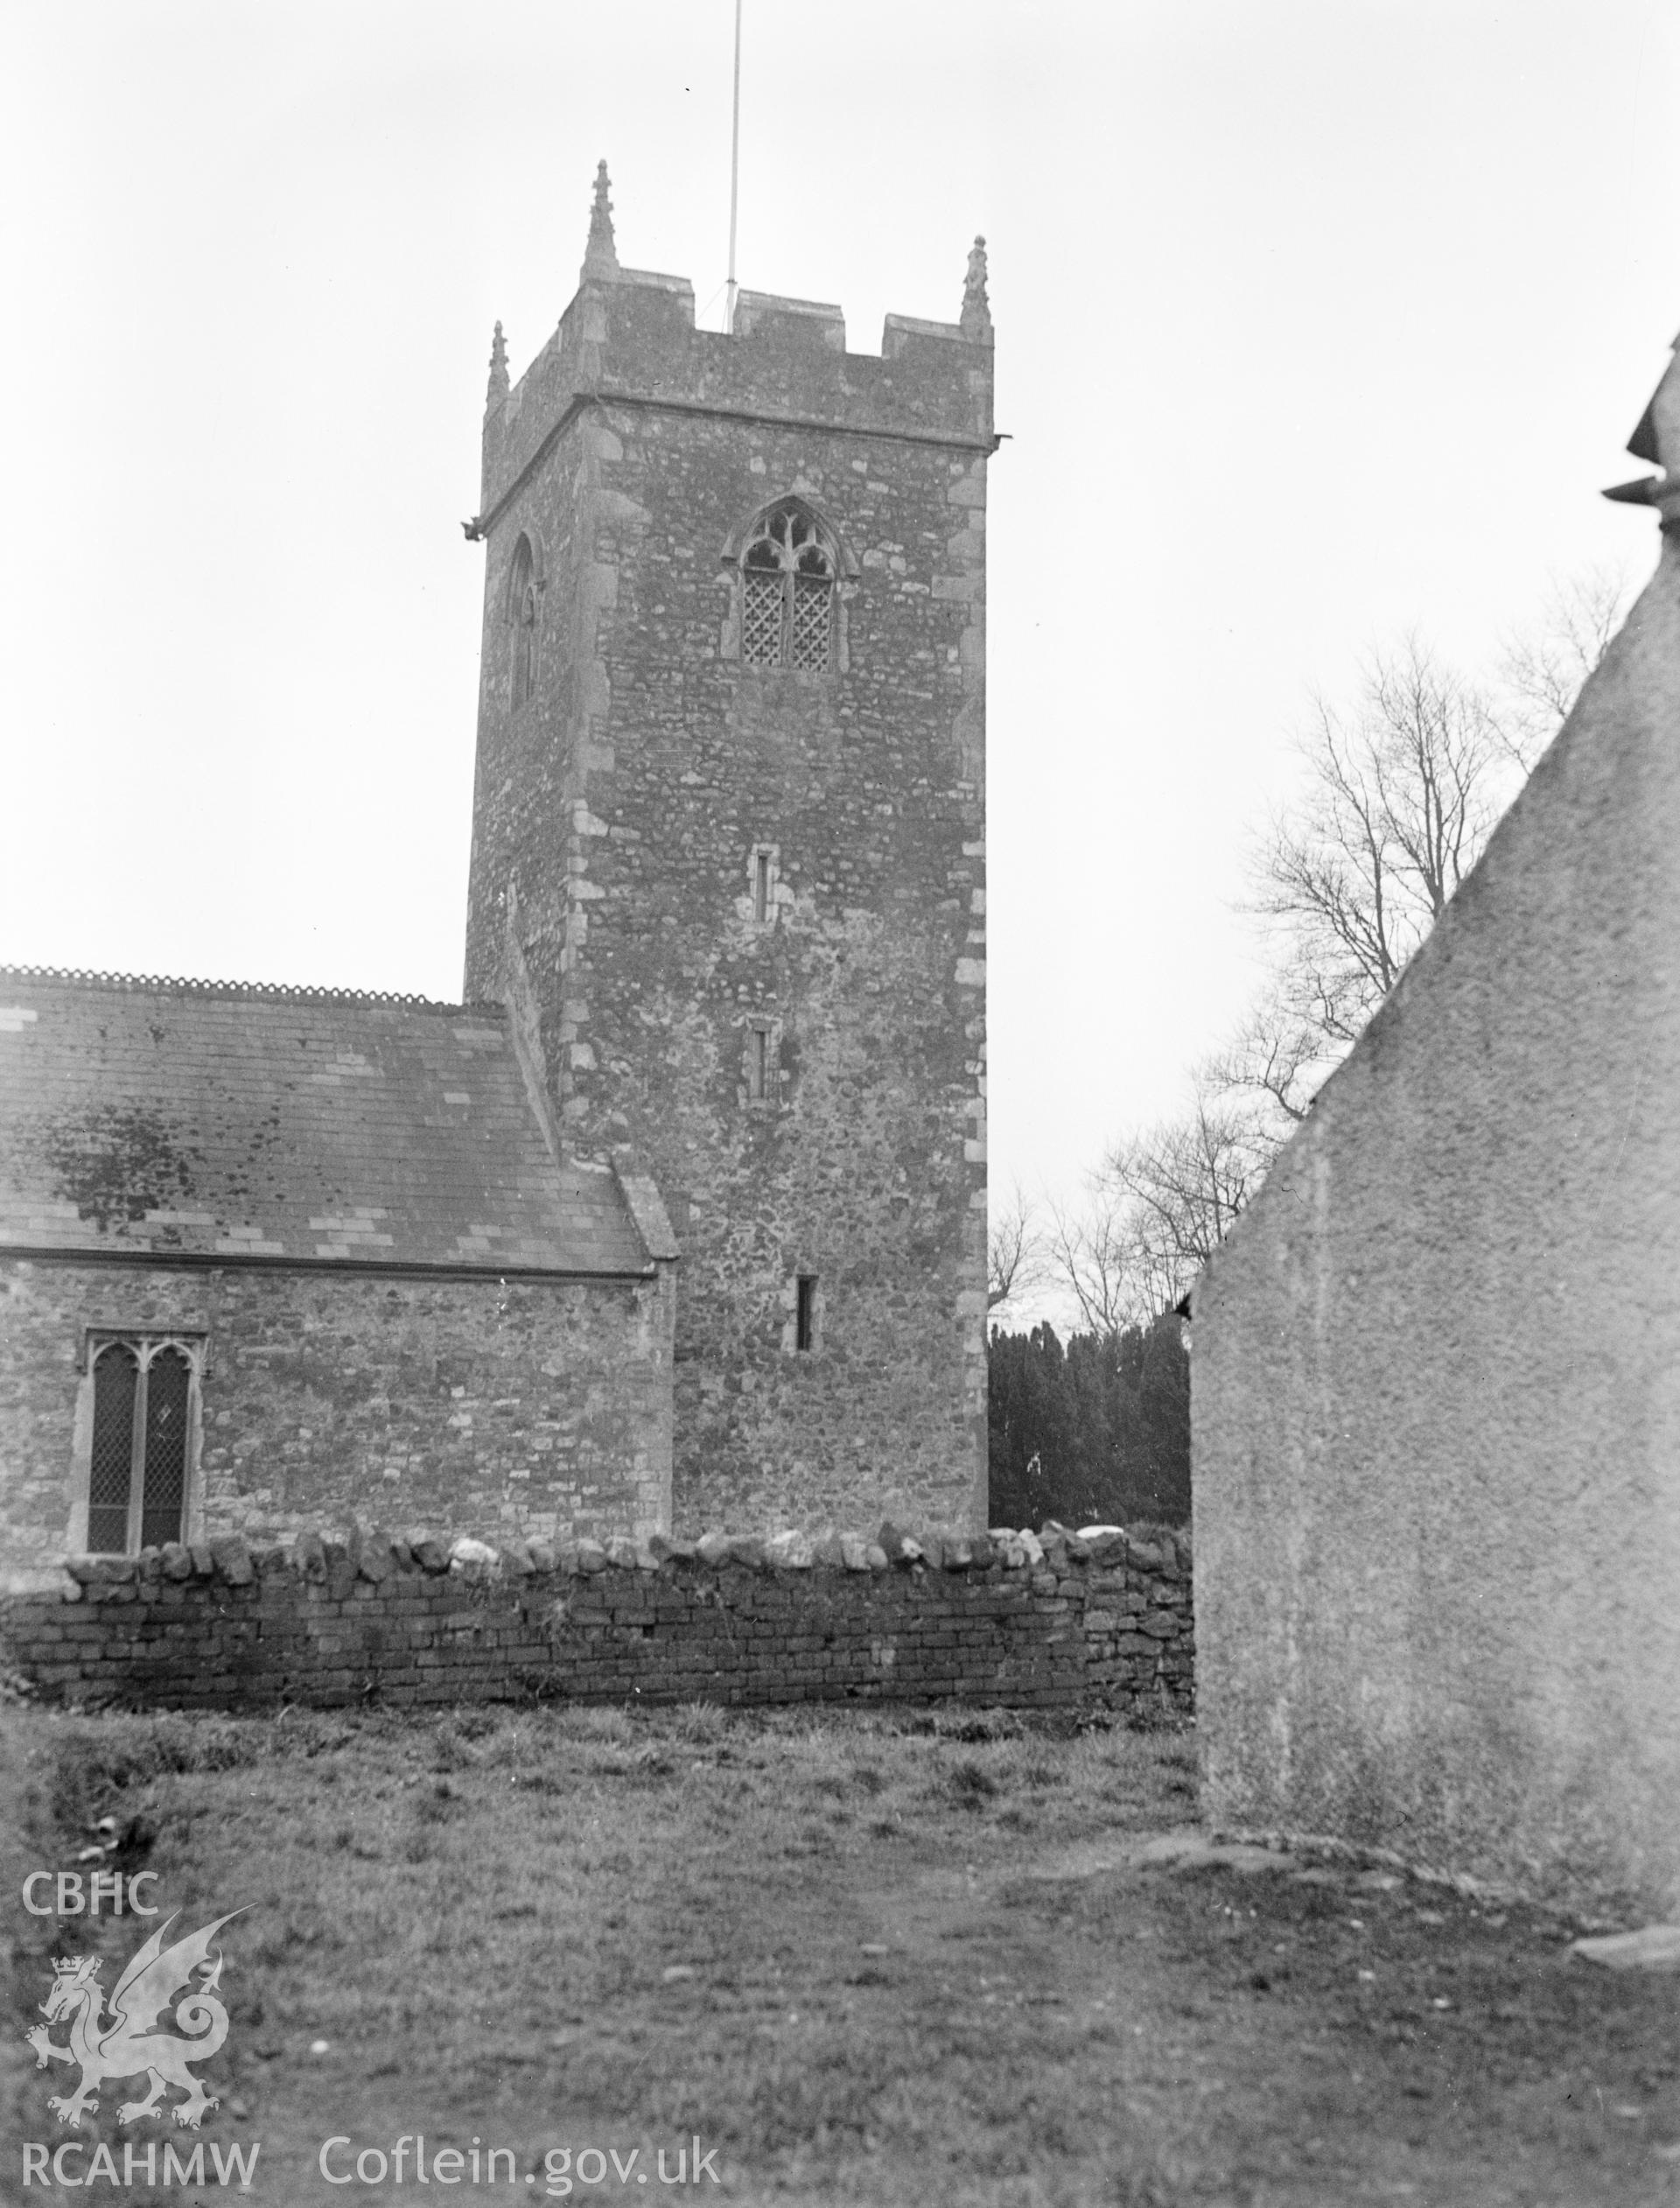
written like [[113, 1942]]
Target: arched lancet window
[[137, 1467], [521, 615], [110, 1478], [788, 578]]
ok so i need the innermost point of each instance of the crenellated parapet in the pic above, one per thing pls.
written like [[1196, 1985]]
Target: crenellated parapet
[[728, 865], [629, 337]]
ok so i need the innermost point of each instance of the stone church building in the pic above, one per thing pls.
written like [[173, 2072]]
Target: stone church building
[[678, 1220], [1436, 1398]]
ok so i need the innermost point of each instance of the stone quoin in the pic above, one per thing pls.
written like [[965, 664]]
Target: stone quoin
[[679, 1218]]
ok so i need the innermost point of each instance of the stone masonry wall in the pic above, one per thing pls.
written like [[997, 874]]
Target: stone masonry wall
[[1063, 1623], [616, 814], [536, 1408]]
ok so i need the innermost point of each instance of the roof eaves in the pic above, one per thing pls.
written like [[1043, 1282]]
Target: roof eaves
[[257, 992], [238, 1261]]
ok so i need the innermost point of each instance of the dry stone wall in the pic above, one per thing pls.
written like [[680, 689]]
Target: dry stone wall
[[1067, 1621]]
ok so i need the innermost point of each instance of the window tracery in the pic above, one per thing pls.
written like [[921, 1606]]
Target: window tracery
[[145, 1400], [788, 571]]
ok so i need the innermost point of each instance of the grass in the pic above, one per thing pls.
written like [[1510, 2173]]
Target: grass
[[862, 1958]]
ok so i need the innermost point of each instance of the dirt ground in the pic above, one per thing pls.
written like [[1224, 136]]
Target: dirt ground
[[871, 1959]]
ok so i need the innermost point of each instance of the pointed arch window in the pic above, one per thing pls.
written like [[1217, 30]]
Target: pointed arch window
[[140, 1465], [521, 616], [788, 578]]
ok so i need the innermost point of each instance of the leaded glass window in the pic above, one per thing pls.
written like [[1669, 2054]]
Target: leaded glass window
[[164, 1474], [144, 1394], [788, 574], [110, 1476]]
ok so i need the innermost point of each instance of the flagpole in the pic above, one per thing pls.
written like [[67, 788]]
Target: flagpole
[[734, 176]]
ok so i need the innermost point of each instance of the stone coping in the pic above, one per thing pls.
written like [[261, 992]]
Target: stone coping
[[374, 1555]]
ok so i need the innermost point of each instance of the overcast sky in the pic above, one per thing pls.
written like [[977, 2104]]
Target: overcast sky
[[1314, 322]]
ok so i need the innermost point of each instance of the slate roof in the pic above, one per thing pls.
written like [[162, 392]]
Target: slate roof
[[229, 1120]]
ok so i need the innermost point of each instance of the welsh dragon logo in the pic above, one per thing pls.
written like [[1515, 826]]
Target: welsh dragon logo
[[127, 2043]]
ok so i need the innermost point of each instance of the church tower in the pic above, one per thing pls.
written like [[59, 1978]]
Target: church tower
[[728, 858]]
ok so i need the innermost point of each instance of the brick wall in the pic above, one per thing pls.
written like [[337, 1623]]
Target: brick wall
[[529, 1407], [1066, 1622]]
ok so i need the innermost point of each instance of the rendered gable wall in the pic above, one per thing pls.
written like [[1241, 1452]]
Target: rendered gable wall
[[1436, 1385]]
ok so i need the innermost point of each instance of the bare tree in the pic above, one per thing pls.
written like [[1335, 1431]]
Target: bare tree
[[1095, 1257], [1277, 1058], [1159, 1205], [1187, 1180], [1401, 794], [1400, 797], [1545, 663], [1016, 1257]]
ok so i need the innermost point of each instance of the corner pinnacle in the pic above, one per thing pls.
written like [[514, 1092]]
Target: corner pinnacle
[[976, 312], [498, 391], [601, 255]]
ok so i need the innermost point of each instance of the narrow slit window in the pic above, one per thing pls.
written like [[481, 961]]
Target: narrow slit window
[[805, 1313], [758, 1063], [761, 885]]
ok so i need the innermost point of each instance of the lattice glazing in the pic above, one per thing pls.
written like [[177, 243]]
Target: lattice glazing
[[116, 1379], [168, 1378], [761, 620], [788, 584], [808, 642]]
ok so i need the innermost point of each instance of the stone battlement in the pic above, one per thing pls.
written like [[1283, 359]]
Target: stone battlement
[[629, 337], [728, 856]]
